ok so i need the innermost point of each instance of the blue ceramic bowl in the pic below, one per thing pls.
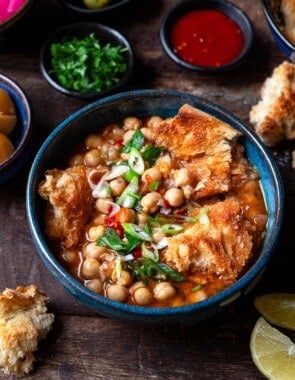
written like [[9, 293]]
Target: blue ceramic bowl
[[143, 103], [21, 136], [227, 8], [105, 35], [273, 17]]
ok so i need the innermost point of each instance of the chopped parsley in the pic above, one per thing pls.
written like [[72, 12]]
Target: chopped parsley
[[84, 65]]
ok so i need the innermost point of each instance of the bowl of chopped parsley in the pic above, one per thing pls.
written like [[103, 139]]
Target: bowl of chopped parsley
[[87, 60]]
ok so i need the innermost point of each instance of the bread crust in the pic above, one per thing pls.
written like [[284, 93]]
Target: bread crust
[[23, 322], [273, 116]]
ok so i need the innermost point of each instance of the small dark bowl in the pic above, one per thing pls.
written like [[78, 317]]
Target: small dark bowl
[[78, 7], [21, 136], [105, 34], [146, 103], [271, 9], [232, 11]]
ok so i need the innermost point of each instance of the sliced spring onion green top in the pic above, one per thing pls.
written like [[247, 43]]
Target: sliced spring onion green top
[[172, 229]]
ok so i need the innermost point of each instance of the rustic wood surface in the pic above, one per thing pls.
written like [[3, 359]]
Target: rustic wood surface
[[83, 344]]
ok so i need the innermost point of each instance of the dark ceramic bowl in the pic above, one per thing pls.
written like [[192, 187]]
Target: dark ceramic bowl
[[105, 35], [78, 7], [183, 8], [271, 9], [21, 136], [143, 103]]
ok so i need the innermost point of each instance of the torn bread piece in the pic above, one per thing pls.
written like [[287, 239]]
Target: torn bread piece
[[287, 8], [69, 203], [23, 322], [273, 116], [205, 142]]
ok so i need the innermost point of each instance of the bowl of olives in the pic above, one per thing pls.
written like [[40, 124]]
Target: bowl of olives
[[94, 7]]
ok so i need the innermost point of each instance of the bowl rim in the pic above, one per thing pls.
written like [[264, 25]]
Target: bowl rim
[[93, 12], [223, 6], [92, 299], [97, 28], [271, 20], [16, 89]]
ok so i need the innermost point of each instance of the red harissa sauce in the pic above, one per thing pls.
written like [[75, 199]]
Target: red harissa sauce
[[207, 38]]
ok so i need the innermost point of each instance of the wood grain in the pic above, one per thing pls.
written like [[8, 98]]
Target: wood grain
[[84, 344]]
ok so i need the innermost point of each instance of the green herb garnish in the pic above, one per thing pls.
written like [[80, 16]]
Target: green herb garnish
[[146, 268], [152, 153], [84, 65], [137, 141]]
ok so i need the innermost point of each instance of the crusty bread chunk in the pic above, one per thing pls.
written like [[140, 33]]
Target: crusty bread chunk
[[69, 203], [274, 115], [205, 142], [287, 9], [216, 248], [23, 322]]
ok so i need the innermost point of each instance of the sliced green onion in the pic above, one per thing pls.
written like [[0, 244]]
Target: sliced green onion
[[172, 229], [130, 174], [154, 185], [196, 288], [129, 196], [136, 231], [135, 161], [152, 254], [117, 171]]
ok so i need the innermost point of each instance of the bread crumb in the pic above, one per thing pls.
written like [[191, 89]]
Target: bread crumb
[[23, 322], [273, 116]]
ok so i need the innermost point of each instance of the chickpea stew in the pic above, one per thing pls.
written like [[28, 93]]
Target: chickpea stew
[[156, 212]]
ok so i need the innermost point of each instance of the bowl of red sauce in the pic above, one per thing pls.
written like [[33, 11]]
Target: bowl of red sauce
[[206, 35]]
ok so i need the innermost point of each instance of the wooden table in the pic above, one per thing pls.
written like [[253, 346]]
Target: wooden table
[[82, 343]]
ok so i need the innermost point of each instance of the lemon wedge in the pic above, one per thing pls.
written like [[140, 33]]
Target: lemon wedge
[[278, 309], [272, 352]]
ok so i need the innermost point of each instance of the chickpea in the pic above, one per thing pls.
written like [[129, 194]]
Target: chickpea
[[142, 219], [113, 153], [92, 158], [151, 175], [148, 134], [117, 132], [197, 296], [143, 296], [93, 141], [182, 177], [117, 292], [126, 215], [124, 279], [174, 197], [164, 164], [95, 285], [136, 285], [131, 123], [154, 121], [103, 205], [127, 136], [158, 236], [149, 202], [94, 251], [164, 291], [117, 186], [68, 256], [95, 232], [90, 268], [76, 160]]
